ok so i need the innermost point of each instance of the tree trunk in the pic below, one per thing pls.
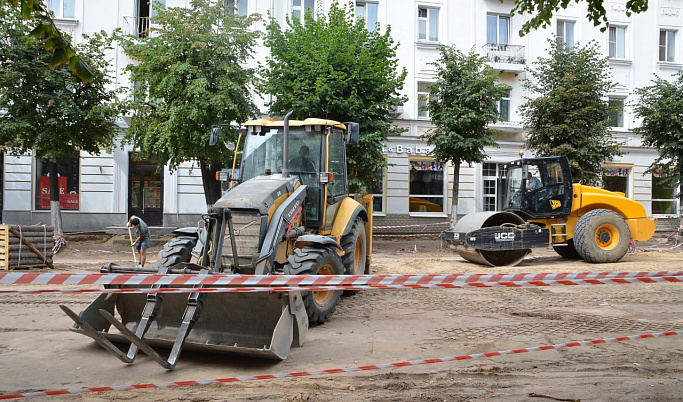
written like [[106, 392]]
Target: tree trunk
[[55, 210], [454, 195], [212, 187]]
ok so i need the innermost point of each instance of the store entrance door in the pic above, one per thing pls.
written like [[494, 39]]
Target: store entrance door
[[145, 191]]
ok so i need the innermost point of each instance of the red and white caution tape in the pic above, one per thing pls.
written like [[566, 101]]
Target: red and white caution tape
[[412, 226], [18, 278], [304, 288], [346, 369]]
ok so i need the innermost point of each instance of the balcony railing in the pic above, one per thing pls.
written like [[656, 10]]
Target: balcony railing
[[142, 27], [508, 54]]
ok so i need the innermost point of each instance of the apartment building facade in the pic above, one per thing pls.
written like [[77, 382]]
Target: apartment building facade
[[102, 190]]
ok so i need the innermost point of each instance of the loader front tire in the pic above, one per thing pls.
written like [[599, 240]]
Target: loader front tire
[[178, 250], [569, 251], [602, 236], [355, 252], [317, 261]]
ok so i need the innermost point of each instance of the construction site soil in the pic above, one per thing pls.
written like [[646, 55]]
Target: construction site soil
[[38, 352]]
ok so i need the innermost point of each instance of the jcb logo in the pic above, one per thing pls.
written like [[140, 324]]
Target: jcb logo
[[554, 204], [505, 236]]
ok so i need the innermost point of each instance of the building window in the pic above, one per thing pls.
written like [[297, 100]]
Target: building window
[[504, 107], [497, 29], [238, 7], [428, 24], [423, 100], [426, 186], [62, 8], [377, 192], [616, 178], [617, 42], [492, 196], [565, 33], [301, 7], [367, 11], [68, 173], [667, 45], [664, 199], [616, 107]]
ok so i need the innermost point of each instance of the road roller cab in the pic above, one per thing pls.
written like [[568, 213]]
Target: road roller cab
[[541, 208]]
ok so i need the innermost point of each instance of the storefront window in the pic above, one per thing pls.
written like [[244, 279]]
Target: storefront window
[[67, 171], [426, 186], [615, 178], [377, 191], [490, 173], [664, 199]]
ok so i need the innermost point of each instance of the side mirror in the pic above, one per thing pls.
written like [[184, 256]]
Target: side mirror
[[213, 139], [352, 132]]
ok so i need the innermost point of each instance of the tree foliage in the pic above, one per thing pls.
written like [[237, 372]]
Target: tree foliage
[[463, 101], [571, 114], [660, 106], [52, 113], [542, 12], [53, 39], [333, 67], [188, 77]]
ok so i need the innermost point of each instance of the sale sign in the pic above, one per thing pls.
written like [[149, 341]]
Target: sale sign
[[66, 200]]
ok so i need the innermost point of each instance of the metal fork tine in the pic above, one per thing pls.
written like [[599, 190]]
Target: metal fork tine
[[91, 332]]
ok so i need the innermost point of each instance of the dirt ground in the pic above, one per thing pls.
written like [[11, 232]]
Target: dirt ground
[[38, 352]]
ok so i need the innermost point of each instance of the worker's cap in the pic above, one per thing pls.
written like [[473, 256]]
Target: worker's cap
[[135, 221]]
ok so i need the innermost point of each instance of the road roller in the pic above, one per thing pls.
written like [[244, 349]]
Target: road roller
[[543, 208]]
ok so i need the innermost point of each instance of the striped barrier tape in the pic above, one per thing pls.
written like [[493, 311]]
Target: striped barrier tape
[[24, 278], [411, 226], [455, 285], [346, 369]]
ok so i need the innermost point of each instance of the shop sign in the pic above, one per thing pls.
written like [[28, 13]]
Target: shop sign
[[66, 201], [409, 150]]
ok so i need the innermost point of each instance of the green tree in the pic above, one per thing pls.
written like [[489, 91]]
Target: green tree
[[52, 113], [660, 106], [462, 102], [53, 39], [571, 114], [333, 67], [188, 77], [542, 12]]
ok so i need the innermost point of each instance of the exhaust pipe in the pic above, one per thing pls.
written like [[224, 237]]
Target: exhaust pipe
[[285, 146]]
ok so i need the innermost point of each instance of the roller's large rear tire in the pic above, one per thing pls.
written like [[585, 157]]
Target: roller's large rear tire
[[569, 251], [355, 252], [602, 236], [317, 261], [178, 250]]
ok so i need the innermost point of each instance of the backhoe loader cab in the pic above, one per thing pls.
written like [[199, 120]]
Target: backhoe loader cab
[[288, 213], [541, 208]]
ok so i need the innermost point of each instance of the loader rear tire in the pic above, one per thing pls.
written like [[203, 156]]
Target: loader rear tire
[[355, 252], [317, 261], [178, 250], [602, 236], [569, 251]]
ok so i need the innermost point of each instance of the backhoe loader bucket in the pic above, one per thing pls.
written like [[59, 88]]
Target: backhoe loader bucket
[[263, 325]]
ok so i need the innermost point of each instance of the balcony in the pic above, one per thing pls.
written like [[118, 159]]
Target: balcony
[[142, 27], [505, 58]]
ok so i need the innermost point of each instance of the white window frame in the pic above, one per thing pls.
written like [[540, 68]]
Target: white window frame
[[427, 21], [301, 8], [674, 199], [667, 46], [383, 194], [366, 7], [238, 7], [619, 114], [627, 172], [562, 25], [59, 10], [616, 43], [500, 38], [499, 167], [505, 98], [423, 100]]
